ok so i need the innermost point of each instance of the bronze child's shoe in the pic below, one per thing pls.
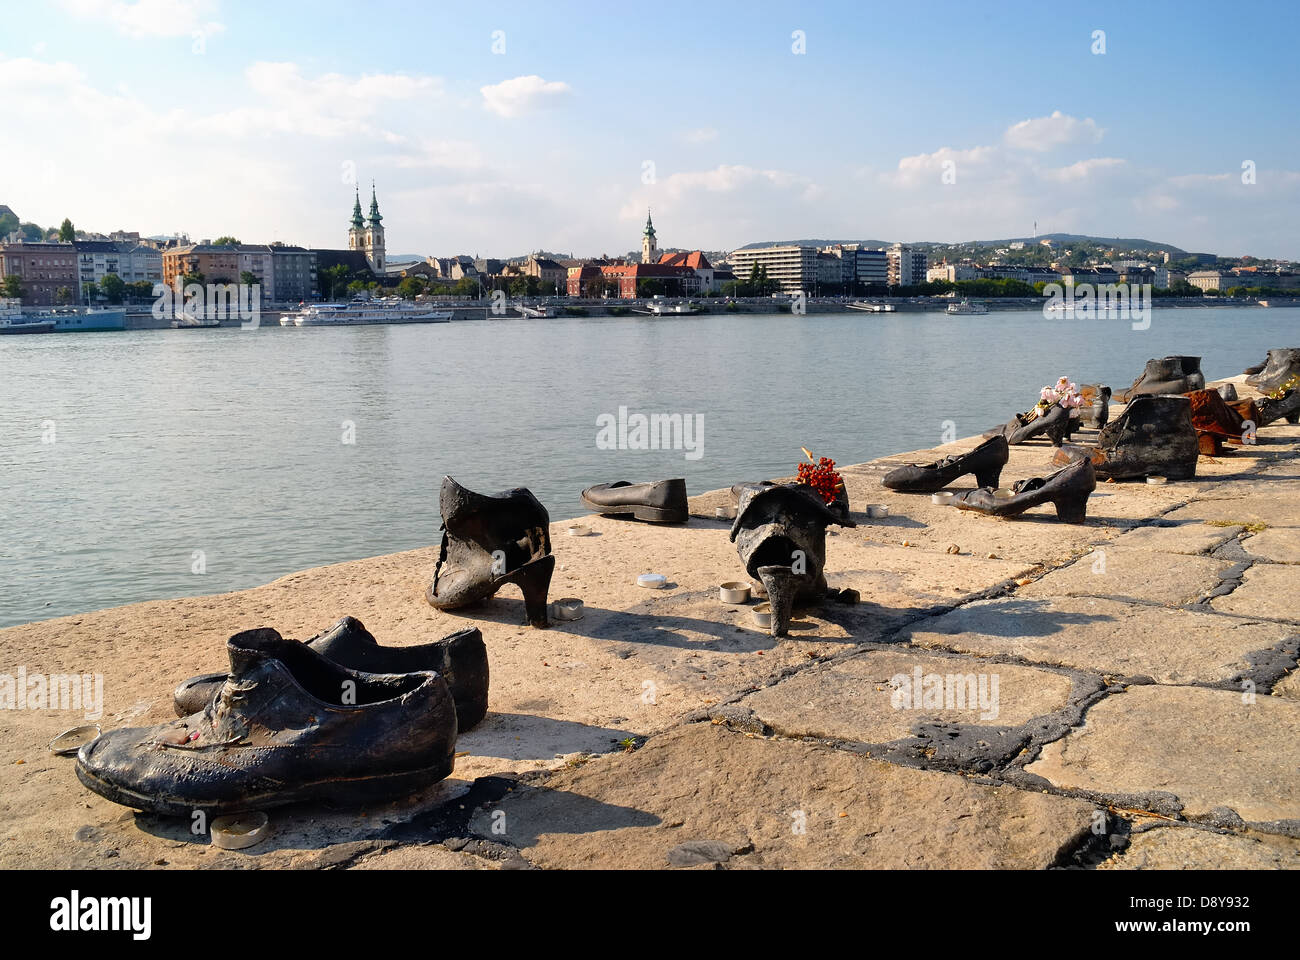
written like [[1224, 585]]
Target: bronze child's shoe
[[488, 541]]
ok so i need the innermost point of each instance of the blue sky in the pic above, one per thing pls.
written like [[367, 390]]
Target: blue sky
[[945, 122]]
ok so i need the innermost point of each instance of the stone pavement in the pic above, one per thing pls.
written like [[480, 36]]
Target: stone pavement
[[1119, 694]]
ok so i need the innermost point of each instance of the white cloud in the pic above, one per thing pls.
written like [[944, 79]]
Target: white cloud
[[930, 167], [330, 105], [513, 98], [728, 179], [1082, 170], [151, 18], [728, 204], [1048, 133], [446, 154], [700, 135]]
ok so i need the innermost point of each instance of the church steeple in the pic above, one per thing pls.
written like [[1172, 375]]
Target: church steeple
[[649, 247], [357, 221], [375, 218]]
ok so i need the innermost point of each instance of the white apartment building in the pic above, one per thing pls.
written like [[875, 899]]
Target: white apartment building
[[794, 267], [906, 266], [951, 272]]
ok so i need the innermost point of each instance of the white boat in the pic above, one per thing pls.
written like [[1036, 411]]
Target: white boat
[[873, 307], [386, 310], [663, 308], [540, 312], [966, 307]]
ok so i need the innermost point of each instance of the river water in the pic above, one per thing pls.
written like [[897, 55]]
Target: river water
[[129, 461]]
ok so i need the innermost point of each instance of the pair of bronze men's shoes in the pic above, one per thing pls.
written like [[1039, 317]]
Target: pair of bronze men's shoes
[[338, 718]]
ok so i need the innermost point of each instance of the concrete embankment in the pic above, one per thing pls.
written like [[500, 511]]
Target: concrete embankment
[[1145, 707], [143, 319]]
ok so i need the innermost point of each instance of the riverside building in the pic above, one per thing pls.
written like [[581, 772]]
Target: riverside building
[[793, 266]]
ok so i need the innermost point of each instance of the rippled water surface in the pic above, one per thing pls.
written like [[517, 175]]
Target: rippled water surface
[[230, 441]]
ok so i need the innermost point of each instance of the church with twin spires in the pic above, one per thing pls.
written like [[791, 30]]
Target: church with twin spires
[[367, 234]]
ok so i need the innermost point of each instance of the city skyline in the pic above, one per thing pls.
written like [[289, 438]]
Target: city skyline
[[193, 116]]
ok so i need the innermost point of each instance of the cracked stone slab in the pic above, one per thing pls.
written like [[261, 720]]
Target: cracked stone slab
[[1206, 747], [1243, 504], [1105, 636], [1115, 571], [778, 803], [1278, 544], [1189, 848], [854, 699], [1267, 590], [1191, 537]]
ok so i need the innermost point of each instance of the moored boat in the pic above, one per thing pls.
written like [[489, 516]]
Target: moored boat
[[14, 321], [63, 319], [664, 308], [361, 312]]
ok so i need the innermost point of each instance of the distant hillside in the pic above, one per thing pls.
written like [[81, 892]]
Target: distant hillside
[[1125, 243], [814, 243], [1065, 238]]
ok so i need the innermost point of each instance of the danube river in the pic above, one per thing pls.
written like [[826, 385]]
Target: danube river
[[155, 464]]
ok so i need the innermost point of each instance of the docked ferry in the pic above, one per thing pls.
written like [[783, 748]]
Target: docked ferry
[[386, 310], [59, 319], [966, 307]]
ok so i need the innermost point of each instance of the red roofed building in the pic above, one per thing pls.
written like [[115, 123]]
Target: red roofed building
[[679, 274], [697, 261], [593, 281]]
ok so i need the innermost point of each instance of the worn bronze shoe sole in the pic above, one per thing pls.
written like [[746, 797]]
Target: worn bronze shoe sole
[[379, 788], [639, 511]]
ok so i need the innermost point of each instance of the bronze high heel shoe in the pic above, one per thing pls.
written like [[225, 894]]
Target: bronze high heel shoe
[[1067, 490], [985, 461], [1053, 423], [488, 541]]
